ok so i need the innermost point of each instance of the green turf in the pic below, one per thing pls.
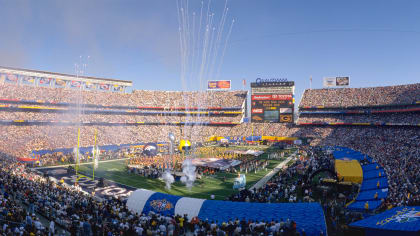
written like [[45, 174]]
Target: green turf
[[203, 188]]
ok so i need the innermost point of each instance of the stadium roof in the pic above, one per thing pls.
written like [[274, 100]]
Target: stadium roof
[[64, 76]]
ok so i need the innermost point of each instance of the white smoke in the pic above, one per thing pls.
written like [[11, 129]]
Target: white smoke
[[189, 173], [95, 153], [168, 178], [77, 155]]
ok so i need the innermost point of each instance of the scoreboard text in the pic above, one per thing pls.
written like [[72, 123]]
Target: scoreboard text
[[272, 102]]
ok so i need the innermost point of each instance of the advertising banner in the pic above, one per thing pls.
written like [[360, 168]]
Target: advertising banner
[[342, 81], [329, 82], [218, 84], [281, 97], [257, 111], [286, 110], [11, 78], [29, 80], [286, 118], [336, 82], [60, 83]]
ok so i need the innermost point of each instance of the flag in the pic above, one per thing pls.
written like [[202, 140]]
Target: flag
[[60, 83], [11, 78], [75, 84], [28, 79], [89, 85], [104, 86], [117, 88], [44, 81], [244, 82]]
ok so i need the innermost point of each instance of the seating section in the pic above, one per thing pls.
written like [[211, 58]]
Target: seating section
[[361, 97], [376, 106]]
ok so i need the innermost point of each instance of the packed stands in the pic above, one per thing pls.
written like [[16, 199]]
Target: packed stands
[[390, 106], [138, 98], [83, 214], [381, 123], [361, 97]]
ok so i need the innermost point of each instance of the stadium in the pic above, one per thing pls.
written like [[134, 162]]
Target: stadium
[[179, 119], [113, 147]]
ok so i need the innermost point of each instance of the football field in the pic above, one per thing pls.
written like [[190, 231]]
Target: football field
[[203, 188]]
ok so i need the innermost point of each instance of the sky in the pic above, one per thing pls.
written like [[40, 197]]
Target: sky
[[375, 43]]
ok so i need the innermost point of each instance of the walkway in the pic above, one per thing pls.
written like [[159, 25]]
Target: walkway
[[268, 176]]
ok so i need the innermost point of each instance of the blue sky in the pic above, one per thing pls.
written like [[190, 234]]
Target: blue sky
[[374, 42]]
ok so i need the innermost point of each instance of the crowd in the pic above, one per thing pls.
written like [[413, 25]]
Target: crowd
[[136, 98], [394, 148], [108, 118], [350, 97], [83, 214], [400, 118]]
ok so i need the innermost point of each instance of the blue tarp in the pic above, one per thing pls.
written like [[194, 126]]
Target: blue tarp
[[370, 167], [370, 194], [351, 155], [397, 221], [373, 174], [373, 184], [161, 203], [360, 205], [308, 216]]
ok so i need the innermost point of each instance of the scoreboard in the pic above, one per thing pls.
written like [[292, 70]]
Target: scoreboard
[[272, 102]]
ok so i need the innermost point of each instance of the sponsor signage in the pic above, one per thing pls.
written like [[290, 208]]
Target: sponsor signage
[[272, 84], [329, 82], [342, 81], [336, 82], [257, 111], [286, 110], [218, 84], [282, 97], [286, 118], [271, 80]]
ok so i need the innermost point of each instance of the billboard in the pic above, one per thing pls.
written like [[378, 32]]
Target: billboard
[[336, 82], [60, 83], [342, 81], [28, 80], [218, 84], [282, 97]]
